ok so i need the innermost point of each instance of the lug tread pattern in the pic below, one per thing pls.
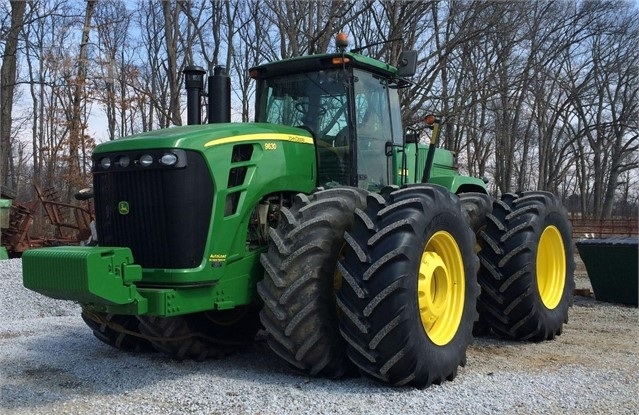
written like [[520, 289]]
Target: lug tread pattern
[[300, 313], [173, 337], [118, 331], [510, 301], [380, 320]]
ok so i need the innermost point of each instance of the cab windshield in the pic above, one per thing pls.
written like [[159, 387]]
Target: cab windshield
[[319, 103]]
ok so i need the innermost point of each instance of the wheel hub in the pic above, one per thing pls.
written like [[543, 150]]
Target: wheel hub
[[551, 267], [433, 287], [441, 288]]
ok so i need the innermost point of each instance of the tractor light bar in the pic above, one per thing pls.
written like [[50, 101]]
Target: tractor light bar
[[134, 160]]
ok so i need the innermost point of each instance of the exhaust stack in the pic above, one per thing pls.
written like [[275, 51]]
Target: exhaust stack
[[219, 96]]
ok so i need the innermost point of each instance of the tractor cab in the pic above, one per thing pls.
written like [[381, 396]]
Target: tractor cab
[[348, 103]]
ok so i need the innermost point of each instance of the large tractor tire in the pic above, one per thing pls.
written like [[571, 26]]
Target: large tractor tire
[[198, 336], [527, 267], [409, 290], [477, 207], [119, 331], [298, 289]]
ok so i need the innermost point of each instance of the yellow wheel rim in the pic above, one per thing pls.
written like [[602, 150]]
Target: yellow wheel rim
[[551, 267], [441, 288]]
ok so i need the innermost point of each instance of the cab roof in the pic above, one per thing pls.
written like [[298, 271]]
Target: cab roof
[[323, 61]]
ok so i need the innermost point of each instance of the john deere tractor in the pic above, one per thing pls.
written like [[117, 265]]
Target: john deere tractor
[[325, 223]]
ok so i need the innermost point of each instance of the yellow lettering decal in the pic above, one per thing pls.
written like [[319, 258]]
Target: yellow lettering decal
[[261, 137], [217, 257], [297, 139], [270, 146]]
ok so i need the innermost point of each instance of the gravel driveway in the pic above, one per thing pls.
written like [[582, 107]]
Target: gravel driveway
[[51, 363]]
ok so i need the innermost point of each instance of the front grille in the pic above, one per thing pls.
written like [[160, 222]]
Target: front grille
[[161, 213]]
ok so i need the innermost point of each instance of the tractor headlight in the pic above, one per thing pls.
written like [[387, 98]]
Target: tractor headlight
[[105, 162], [123, 161], [169, 159], [146, 160]]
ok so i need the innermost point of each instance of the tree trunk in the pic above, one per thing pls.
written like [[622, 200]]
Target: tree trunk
[[76, 128], [171, 32], [7, 86]]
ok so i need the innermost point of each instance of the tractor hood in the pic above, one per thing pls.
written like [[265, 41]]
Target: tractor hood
[[201, 137]]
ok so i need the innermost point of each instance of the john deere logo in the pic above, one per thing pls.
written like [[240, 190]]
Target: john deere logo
[[123, 208]]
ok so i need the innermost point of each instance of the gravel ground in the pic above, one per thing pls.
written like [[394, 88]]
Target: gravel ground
[[51, 363]]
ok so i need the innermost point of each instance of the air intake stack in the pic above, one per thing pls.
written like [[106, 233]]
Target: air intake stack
[[194, 83]]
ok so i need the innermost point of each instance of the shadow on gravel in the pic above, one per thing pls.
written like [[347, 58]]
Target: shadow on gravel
[[57, 359], [67, 363]]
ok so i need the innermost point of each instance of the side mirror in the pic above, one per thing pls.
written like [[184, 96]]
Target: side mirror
[[407, 65], [411, 137]]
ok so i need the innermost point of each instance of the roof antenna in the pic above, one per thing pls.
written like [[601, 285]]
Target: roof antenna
[[358, 50]]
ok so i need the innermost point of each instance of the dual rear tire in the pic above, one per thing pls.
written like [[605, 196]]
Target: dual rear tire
[[405, 285], [408, 296], [527, 267], [408, 301]]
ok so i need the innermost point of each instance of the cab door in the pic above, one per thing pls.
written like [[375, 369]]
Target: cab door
[[377, 129]]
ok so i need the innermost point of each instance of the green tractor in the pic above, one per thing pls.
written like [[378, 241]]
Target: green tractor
[[324, 223]]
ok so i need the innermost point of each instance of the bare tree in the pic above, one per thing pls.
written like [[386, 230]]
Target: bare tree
[[151, 86], [77, 151], [607, 108], [533, 94], [112, 22], [306, 27], [45, 37], [171, 13], [247, 48]]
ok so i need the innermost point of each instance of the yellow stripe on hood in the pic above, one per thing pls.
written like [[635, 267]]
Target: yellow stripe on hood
[[261, 137]]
